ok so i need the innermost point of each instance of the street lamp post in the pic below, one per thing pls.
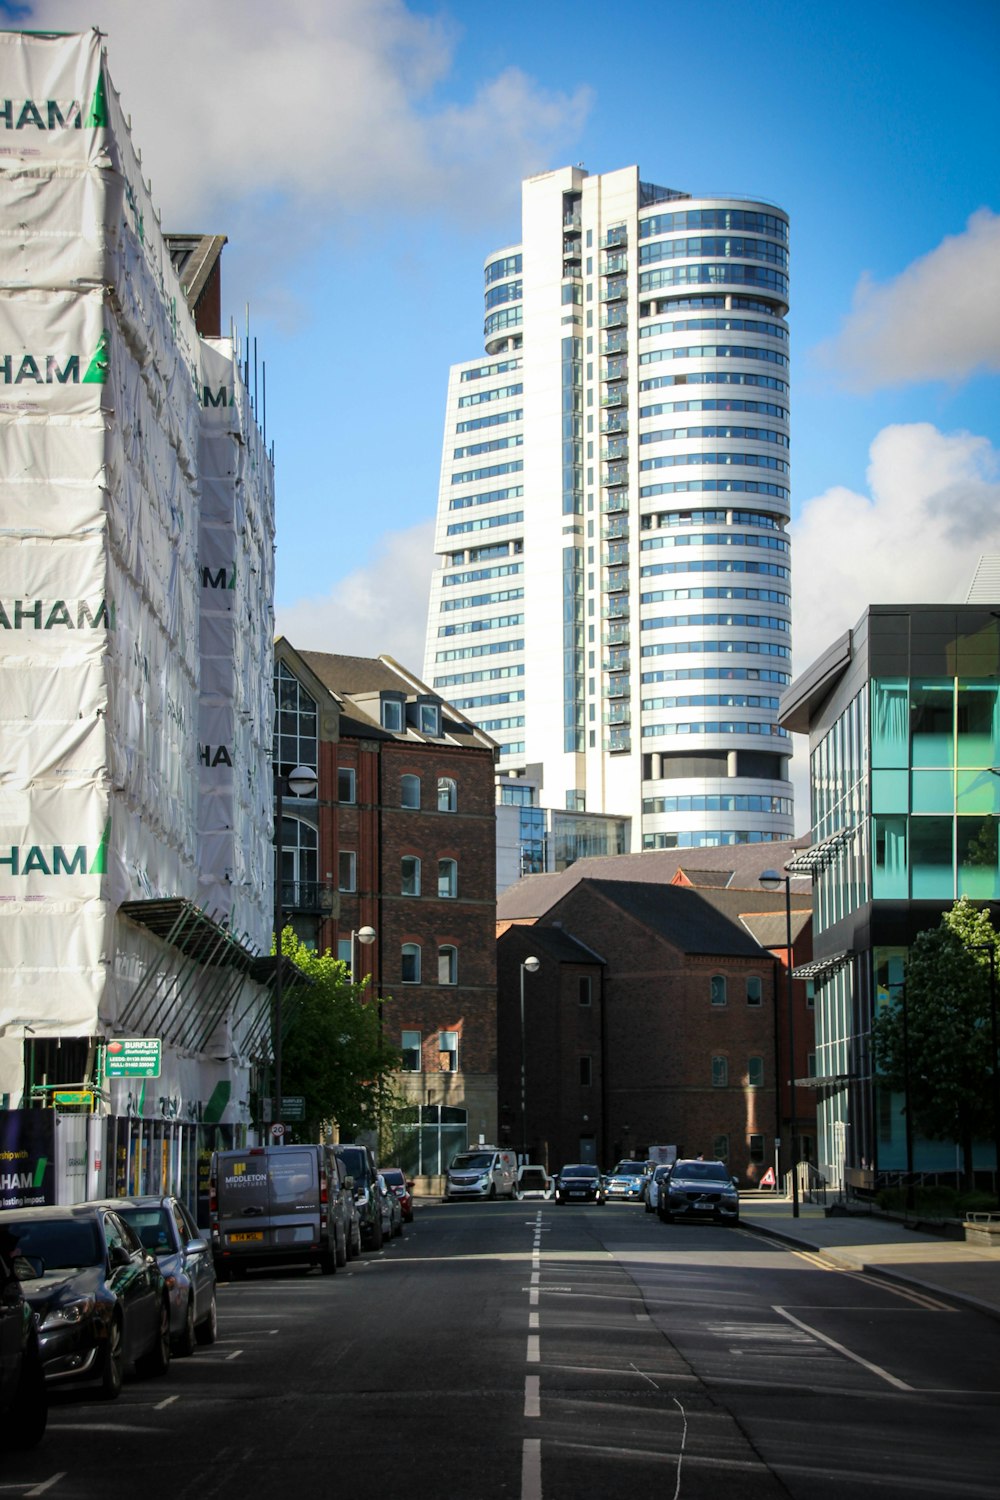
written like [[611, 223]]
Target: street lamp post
[[532, 965], [365, 935], [302, 782], [771, 880]]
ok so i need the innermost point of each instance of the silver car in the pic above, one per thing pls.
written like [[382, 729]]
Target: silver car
[[655, 1185], [165, 1228]]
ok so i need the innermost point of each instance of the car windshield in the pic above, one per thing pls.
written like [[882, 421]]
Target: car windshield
[[394, 1177], [629, 1169], [152, 1225], [713, 1171], [475, 1161], [62, 1243], [579, 1172]]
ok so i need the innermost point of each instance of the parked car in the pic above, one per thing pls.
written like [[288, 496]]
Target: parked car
[[627, 1182], [396, 1180], [654, 1186], [362, 1171], [165, 1228], [392, 1209], [580, 1182], [275, 1205], [349, 1211], [482, 1172], [533, 1182], [100, 1299], [24, 1397], [700, 1189]]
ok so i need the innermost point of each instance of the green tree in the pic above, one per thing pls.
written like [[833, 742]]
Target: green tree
[[933, 1042], [334, 1052]]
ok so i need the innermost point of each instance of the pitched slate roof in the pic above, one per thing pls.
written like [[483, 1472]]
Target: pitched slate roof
[[695, 921]]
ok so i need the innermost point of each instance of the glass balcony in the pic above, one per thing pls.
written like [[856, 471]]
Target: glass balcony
[[616, 555], [615, 369], [614, 264], [616, 659], [617, 634], [615, 422], [615, 317], [616, 608], [618, 740], [619, 684], [618, 713], [616, 448], [615, 500], [615, 395], [614, 289], [617, 526], [616, 474], [616, 342]]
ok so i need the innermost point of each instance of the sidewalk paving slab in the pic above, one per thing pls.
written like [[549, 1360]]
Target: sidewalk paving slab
[[884, 1247]]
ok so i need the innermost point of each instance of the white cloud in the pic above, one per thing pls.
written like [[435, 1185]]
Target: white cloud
[[379, 609], [939, 319], [329, 106]]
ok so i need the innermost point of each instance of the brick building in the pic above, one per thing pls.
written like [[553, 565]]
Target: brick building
[[399, 841], [657, 1015]]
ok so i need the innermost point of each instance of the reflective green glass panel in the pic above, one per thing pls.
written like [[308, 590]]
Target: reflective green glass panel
[[932, 722], [931, 853], [977, 792], [978, 719], [890, 792], [978, 872], [889, 857], [933, 792], [890, 723]]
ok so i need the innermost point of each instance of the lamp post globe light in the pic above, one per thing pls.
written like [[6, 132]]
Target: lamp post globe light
[[365, 935], [302, 781], [532, 965], [772, 880]]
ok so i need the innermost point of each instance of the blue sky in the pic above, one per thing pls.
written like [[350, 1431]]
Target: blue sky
[[365, 156]]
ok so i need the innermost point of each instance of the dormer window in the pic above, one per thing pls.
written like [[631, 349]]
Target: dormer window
[[429, 719], [392, 714]]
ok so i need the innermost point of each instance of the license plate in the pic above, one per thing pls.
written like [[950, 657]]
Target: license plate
[[243, 1239]]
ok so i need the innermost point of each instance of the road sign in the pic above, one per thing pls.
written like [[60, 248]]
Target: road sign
[[277, 1130], [74, 1096], [768, 1178], [133, 1057], [293, 1106]]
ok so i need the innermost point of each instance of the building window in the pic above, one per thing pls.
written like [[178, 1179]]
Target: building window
[[447, 964], [409, 791], [295, 722], [344, 951], [347, 870], [448, 878], [410, 875], [755, 1072], [720, 1072], [810, 994], [346, 786], [410, 963], [447, 794], [586, 1072], [410, 1048], [717, 985], [811, 1065], [757, 1145], [720, 1147], [299, 864], [448, 1051], [392, 714], [429, 719], [754, 990], [585, 989]]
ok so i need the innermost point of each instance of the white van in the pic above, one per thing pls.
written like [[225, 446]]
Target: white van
[[482, 1172]]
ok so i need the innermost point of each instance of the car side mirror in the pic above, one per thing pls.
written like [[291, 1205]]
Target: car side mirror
[[27, 1267], [195, 1247]]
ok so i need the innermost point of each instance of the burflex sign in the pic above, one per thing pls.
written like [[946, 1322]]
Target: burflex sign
[[27, 1157]]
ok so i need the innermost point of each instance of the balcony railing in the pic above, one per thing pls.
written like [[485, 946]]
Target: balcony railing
[[311, 896]]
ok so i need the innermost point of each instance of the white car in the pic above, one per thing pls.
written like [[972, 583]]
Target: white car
[[533, 1182], [660, 1176]]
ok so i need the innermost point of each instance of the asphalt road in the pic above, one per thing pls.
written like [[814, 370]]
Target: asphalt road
[[527, 1351]]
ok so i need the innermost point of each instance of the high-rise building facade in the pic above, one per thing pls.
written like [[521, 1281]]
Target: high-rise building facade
[[611, 600]]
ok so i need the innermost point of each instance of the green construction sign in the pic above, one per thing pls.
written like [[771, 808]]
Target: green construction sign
[[132, 1057]]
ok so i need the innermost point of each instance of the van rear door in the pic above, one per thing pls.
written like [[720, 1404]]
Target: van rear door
[[268, 1200], [294, 1197]]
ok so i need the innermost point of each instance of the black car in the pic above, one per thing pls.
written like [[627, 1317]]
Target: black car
[[24, 1401], [581, 1182], [361, 1169], [99, 1297], [699, 1189]]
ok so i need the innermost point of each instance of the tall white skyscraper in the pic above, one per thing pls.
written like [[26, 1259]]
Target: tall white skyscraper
[[611, 600]]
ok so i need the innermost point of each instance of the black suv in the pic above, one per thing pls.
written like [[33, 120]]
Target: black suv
[[359, 1164]]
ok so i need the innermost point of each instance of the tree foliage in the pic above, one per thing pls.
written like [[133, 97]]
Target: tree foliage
[[334, 1052], [933, 1043]]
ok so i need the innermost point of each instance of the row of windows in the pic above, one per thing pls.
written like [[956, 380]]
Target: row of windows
[[499, 367], [485, 497], [712, 700], [712, 377], [477, 398], [714, 218], [509, 265], [492, 419], [492, 446], [761, 408], [732, 802], [699, 434], [715, 325], [506, 291], [507, 317], [457, 678], [658, 731], [469, 627], [716, 838], [715, 674], [516, 747], [411, 1047], [710, 565], [486, 523], [752, 622], [489, 700], [410, 790], [496, 725], [765, 519], [728, 272], [716, 486], [713, 539], [753, 1078], [713, 351], [745, 460], [410, 877], [476, 601], [476, 575], [411, 965], [683, 648], [471, 476], [493, 648], [660, 596], [675, 304]]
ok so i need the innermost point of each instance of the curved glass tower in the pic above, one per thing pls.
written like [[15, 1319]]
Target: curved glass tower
[[612, 595]]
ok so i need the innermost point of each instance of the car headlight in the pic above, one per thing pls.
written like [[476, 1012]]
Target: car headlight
[[69, 1312]]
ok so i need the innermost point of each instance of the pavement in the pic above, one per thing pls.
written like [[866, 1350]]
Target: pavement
[[883, 1246]]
